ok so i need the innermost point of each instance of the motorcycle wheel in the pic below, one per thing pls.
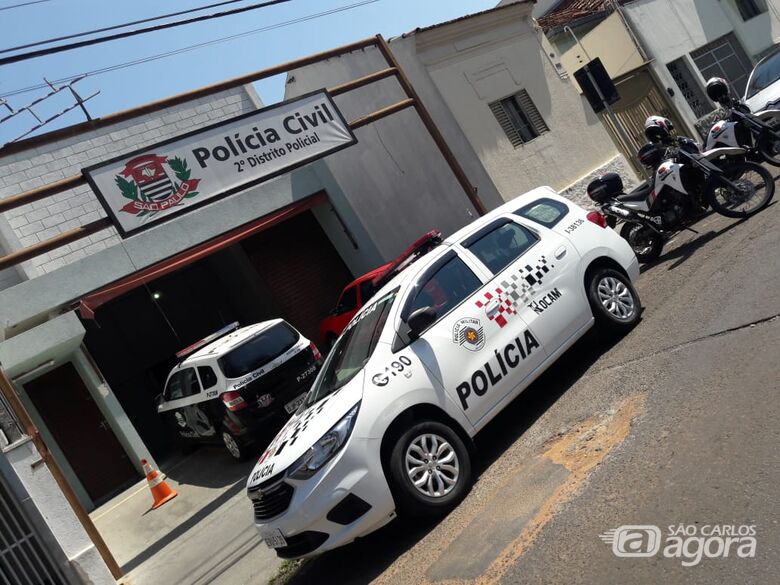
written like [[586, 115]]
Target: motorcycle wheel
[[756, 189], [769, 147], [646, 243]]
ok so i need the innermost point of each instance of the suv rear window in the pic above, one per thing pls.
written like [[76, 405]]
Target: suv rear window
[[259, 350], [547, 212]]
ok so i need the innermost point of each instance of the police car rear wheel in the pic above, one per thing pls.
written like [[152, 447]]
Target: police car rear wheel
[[236, 450], [430, 469], [613, 299]]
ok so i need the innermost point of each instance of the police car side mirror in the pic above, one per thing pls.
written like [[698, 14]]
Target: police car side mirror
[[420, 320]]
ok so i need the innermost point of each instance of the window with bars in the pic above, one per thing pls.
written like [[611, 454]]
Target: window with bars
[[689, 87], [750, 8], [519, 118], [726, 58]]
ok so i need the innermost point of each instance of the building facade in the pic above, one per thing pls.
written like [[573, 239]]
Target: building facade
[[498, 93], [665, 50]]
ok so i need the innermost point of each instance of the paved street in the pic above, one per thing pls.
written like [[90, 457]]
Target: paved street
[[675, 424]]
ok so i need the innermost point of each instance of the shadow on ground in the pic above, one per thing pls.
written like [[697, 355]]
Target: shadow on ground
[[207, 467], [368, 557]]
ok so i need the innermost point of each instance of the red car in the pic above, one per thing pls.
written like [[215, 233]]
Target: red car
[[357, 292]]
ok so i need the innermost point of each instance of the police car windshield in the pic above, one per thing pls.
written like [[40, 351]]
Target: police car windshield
[[352, 350], [258, 350]]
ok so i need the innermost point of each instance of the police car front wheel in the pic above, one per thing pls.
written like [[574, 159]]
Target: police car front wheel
[[430, 469]]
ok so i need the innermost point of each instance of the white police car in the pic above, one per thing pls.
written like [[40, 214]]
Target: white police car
[[438, 352]]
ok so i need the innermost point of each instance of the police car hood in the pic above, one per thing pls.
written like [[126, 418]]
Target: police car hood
[[305, 428]]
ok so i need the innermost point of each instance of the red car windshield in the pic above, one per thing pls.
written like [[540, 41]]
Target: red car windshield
[[353, 349]]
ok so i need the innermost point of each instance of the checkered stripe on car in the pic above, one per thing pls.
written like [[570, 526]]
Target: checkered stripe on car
[[506, 306], [518, 288]]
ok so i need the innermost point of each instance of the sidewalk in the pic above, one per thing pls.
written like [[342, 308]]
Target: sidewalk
[[203, 536]]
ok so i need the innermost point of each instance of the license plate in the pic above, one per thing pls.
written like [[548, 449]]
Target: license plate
[[273, 538], [291, 407]]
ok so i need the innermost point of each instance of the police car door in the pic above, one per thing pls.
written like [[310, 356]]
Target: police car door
[[182, 400], [535, 277], [476, 361]]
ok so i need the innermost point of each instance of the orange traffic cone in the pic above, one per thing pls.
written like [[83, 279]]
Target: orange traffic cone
[[161, 492]]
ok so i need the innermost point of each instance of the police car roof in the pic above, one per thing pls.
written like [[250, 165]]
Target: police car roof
[[409, 275], [221, 346]]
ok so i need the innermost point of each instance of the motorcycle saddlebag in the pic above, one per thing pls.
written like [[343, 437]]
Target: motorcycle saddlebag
[[607, 186]]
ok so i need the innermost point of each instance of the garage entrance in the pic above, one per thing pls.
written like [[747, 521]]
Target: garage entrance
[[302, 270], [289, 270]]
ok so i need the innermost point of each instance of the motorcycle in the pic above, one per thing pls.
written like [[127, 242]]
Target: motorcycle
[[758, 133], [686, 183]]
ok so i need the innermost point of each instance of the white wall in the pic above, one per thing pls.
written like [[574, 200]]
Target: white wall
[[477, 61], [760, 32], [395, 179]]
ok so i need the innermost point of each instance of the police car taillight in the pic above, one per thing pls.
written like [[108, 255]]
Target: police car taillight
[[233, 401], [315, 352], [598, 219]]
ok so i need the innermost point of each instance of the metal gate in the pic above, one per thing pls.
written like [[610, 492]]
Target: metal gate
[[640, 97], [24, 559]]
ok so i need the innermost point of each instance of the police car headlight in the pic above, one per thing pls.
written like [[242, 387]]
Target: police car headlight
[[326, 448]]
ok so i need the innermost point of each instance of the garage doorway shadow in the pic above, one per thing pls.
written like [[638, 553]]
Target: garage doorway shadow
[[364, 560], [210, 466]]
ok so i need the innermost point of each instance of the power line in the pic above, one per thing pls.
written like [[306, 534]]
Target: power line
[[189, 48], [71, 46], [23, 4], [116, 26]]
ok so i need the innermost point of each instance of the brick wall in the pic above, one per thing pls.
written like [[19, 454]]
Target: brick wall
[[64, 158]]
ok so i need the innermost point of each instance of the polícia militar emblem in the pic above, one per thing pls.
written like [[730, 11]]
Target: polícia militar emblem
[[469, 333]]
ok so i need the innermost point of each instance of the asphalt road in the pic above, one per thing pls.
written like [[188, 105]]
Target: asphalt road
[[676, 424]]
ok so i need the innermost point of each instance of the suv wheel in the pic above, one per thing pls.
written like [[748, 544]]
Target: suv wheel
[[613, 300], [430, 469], [234, 447]]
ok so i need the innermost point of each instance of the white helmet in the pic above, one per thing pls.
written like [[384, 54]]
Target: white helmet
[[658, 128]]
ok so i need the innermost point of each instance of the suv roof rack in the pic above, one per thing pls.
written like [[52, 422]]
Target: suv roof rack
[[190, 349], [417, 249]]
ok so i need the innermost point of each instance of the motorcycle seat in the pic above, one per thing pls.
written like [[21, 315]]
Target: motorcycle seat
[[639, 194]]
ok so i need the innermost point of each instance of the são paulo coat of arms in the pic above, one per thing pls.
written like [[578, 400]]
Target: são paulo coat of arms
[[155, 183]]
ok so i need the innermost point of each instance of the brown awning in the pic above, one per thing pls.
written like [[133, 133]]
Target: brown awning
[[90, 303]]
